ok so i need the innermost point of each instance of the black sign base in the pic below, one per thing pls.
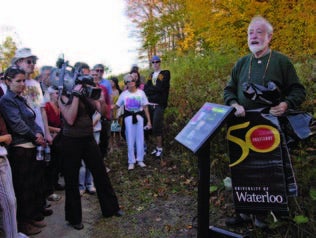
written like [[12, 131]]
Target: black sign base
[[204, 229], [196, 136]]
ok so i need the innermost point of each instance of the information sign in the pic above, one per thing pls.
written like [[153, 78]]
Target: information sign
[[203, 125]]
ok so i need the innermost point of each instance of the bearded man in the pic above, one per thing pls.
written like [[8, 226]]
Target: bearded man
[[262, 70]]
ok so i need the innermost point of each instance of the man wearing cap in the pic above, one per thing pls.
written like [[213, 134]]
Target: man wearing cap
[[157, 91]]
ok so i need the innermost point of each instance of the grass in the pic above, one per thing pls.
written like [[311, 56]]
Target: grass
[[158, 200], [161, 199]]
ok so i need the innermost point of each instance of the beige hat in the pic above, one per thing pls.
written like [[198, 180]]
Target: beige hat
[[127, 78], [21, 54]]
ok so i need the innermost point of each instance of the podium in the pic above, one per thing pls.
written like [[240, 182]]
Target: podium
[[196, 136]]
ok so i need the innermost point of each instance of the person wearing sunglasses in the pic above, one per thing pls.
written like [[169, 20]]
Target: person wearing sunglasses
[[135, 104], [157, 91], [105, 134]]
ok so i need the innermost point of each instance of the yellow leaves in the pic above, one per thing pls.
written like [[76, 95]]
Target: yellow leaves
[[189, 41], [221, 25]]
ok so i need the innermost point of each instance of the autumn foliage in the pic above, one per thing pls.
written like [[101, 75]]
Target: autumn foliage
[[221, 25], [199, 42]]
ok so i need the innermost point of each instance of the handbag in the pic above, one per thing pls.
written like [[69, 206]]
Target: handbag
[[115, 126]]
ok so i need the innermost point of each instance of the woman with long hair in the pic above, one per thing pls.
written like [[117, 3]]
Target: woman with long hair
[[27, 171]]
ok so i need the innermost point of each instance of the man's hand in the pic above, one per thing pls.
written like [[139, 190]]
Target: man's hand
[[77, 87], [240, 110], [279, 110]]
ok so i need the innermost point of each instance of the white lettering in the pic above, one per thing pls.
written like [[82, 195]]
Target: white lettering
[[262, 138], [258, 198]]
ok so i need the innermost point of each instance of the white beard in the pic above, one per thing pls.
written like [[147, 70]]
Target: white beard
[[259, 47], [256, 48]]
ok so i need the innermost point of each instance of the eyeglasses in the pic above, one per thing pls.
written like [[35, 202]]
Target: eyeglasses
[[31, 61], [99, 70], [132, 80], [155, 62]]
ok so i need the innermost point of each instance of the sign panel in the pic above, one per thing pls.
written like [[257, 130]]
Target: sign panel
[[257, 164], [203, 125]]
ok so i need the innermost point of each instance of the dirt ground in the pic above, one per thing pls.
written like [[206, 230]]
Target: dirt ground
[[170, 216], [173, 216]]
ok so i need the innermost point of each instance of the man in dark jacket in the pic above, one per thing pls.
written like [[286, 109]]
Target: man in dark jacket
[[157, 92]]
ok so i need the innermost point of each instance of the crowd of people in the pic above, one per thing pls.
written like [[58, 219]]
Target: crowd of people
[[37, 117], [48, 134]]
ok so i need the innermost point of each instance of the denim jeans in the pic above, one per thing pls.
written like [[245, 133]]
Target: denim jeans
[[85, 177], [7, 200]]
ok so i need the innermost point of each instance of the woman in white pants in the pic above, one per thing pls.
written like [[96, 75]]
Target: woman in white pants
[[135, 109]]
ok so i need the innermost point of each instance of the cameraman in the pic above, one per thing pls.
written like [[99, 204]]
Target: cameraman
[[78, 143]]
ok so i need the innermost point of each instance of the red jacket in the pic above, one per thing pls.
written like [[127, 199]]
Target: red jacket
[[107, 99]]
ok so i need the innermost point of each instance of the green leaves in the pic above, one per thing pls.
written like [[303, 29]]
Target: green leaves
[[213, 188], [300, 219]]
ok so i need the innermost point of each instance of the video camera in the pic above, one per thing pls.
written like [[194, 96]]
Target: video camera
[[65, 80]]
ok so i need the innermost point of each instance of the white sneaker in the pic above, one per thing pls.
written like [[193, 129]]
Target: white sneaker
[[131, 166], [141, 164], [158, 153]]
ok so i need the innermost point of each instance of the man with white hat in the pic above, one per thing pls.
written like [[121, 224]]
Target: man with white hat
[[24, 53]]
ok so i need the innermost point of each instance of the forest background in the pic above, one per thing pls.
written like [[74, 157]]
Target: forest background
[[199, 41]]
